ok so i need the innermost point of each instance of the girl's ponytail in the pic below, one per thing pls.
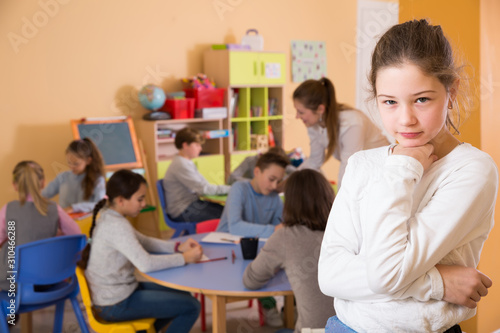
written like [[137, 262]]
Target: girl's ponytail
[[28, 177], [331, 116], [82, 263]]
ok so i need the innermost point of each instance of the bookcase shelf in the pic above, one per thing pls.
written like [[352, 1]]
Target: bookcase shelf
[[256, 81]]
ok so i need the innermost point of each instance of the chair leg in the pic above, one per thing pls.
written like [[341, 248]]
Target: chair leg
[[261, 313], [58, 319], [79, 315], [4, 327], [203, 314]]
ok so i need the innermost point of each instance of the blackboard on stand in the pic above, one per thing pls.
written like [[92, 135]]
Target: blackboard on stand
[[115, 137]]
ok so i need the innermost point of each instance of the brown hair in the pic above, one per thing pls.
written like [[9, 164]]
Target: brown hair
[[312, 94], [265, 160], [188, 135], [123, 183], [308, 199], [28, 176], [424, 45], [84, 149]]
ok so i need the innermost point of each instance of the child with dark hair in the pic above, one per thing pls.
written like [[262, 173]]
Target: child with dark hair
[[184, 184], [84, 185], [254, 208], [244, 171], [295, 247], [116, 249]]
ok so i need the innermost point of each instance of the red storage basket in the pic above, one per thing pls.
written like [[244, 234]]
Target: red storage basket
[[179, 108], [206, 98]]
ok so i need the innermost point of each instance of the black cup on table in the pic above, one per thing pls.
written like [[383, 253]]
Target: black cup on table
[[249, 247]]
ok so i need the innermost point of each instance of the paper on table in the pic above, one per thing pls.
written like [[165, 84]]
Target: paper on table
[[224, 238], [221, 237], [204, 258]]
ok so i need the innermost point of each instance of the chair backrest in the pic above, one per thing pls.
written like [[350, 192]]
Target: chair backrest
[[207, 226], [179, 227], [50, 262]]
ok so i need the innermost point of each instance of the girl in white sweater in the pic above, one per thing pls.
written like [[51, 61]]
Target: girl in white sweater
[[118, 249], [406, 230]]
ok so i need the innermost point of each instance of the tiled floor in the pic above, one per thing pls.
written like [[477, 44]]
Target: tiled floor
[[240, 319]]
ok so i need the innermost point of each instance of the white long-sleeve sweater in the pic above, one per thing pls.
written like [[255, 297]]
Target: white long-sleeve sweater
[[391, 224], [117, 249]]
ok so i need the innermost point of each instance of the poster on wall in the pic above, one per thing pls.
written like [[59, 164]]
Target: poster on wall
[[308, 60]]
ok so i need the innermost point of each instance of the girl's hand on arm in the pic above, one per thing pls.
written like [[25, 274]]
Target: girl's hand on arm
[[188, 244], [463, 285], [424, 154], [193, 254]]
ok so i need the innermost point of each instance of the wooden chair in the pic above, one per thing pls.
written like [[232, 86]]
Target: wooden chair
[[101, 326]]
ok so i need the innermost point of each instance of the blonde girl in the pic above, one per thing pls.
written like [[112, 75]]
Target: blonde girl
[[32, 217]]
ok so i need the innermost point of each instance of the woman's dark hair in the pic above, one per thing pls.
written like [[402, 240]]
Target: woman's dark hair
[[424, 45], [85, 149], [123, 183], [312, 94], [308, 199]]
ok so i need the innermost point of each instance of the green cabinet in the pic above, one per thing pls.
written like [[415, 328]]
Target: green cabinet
[[254, 68]]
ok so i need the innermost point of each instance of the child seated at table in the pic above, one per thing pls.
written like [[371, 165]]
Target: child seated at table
[[115, 249], [254, 208], [296, 247], [184, 184], [244, 171], [32, 217]]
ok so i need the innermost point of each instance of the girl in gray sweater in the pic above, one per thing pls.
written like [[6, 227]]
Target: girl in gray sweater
[[118, 249], [295, 247]]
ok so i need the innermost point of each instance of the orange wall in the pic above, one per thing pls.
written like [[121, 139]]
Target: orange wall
[[63, 59], [464, 22], [488, 319]]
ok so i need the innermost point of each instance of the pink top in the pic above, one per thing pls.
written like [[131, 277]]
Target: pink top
[[67, 225]]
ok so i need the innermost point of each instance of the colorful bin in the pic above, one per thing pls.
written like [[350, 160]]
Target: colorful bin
[[206, 98], [179, 108]]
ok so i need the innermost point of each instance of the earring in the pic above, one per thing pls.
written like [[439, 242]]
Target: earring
[[321, 118], [450, 105]]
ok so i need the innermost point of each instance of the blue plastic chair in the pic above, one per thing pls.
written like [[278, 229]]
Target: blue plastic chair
[[50, 265], [181, 228]]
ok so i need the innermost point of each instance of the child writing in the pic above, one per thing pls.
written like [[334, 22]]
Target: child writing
[[254, 208], [33, 217], [406, 230], [184, 184], [84, 185], [337, 128], [295, 247], [244, 171], [115, 249]]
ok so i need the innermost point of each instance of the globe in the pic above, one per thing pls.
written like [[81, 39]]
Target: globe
[[152, 97]]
